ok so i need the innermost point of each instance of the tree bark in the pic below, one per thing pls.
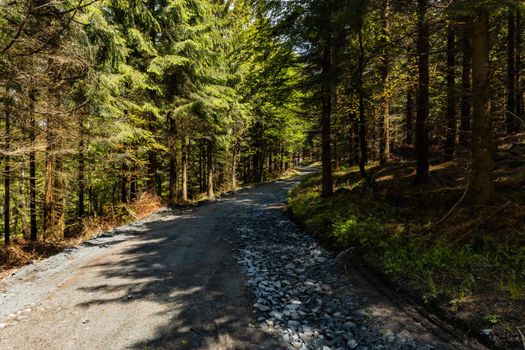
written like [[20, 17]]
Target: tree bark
[[124, 184], [520, 112], [384, 127], [32, 168], [184, 175], [409, 128], [326, 157], [422, 137], [363, 157], [482, 163], [172, 191], [7, 179], [450, 142], [133, 184], [53, 196], [152, 171], [354, 140], [210, 193], [81, 167], [466, 87], [511, 73], [234, 167], [152, 162]]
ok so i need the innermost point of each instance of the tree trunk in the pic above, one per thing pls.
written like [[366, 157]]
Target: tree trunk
[[450, 142], [384, 127], [482, 163], [7, 179], [511, 73], [466, 93], [81, 167], [210, 193], [53, 196], [124, 184], [363, 158], [409, 128], [133, 185], [172, 191], [422, 137], [326, 157], [184, 175], [520, 112], [32, 168], [152, 171], [234, 167], [354, 140], [152, 161]]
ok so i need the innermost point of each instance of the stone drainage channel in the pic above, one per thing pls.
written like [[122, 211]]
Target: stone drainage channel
[[301, 295]]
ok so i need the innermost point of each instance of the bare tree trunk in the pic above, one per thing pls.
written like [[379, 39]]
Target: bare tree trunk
[[172, 191], [450, 142], [422, 137], [152, 171], [210, 193], [466, 93], [326, 158], [409, 128], [32, 168], [7, 179], [152, 162], [354, 140], [363, 158], [520, 112], [124, 184], [81, 167], [52, 213], [384, 127], [482, 163], [184, 175], [234, 167], [511, 73]]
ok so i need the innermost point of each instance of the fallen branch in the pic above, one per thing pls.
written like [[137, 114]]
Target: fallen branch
[[522, 337], [457, 203]]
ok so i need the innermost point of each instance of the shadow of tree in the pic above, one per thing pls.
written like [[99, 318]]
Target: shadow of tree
[[184, 270]]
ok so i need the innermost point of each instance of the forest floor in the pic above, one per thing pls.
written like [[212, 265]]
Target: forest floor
[[464, 262], [236, 273]]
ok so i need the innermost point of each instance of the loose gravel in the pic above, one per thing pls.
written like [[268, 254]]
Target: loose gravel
[[299, 291]]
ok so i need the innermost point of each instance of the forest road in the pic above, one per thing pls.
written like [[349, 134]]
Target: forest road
[[171, 282]]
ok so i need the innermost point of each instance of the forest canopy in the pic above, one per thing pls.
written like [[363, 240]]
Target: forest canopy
[[105, 100]]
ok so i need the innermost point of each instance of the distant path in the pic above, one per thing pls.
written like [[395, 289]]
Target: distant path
[[186, 280]]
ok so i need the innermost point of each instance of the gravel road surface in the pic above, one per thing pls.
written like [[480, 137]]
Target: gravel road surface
[[232, 274]]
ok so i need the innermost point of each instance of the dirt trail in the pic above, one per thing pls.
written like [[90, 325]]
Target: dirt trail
[[171, 282]]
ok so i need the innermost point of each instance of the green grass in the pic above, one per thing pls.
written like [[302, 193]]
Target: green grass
[[404, 246]]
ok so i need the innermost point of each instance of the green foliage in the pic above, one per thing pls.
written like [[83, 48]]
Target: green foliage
[[405, 251]]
